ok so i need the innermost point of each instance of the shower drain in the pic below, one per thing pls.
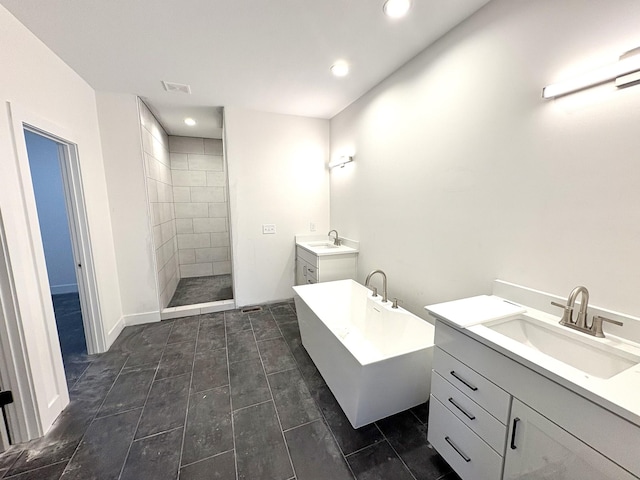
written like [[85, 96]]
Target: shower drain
[[251, 309]]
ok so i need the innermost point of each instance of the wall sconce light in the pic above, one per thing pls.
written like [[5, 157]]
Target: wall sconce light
[[626, 72], [341, 161]]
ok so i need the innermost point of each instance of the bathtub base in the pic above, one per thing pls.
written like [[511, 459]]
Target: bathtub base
[[366, 393]]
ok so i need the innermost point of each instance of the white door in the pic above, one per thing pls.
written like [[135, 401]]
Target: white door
[[538, 449]]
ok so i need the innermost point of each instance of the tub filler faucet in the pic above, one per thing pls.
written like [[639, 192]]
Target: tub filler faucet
[[384, 284], [336, 241]]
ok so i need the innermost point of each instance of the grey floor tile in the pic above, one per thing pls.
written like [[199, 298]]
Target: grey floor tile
[[349, 439], [236, 322], [275, 355], [103, 450], [408, 437], [211, 335], [208, 430], [290, 332], [220, 467], [315, 454], [312, 376], [177, 359], [281, 309], [154, 458], [129, 391], [292, 398], [144, 355], [184, 330], [128, 339], [166, 406], [248, 384], [264, 326], [8, 458], [242, 346], [50, 472], [422, 412], [156, 334], [260, 449], [378, 462], [210, 370], [205, 289]]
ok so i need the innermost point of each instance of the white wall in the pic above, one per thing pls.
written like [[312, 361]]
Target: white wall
[[277, 174], [39, 82], [124, 170], [463, 173], [52, 213]]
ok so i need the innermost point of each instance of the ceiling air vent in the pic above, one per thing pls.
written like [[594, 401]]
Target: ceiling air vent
[[176, 87]]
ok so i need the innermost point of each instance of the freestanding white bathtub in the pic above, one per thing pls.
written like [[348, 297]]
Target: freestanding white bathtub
[[376, 360]]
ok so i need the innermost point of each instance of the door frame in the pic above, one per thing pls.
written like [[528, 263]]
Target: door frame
[[34, 422]]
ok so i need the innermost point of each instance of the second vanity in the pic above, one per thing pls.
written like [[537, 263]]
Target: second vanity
[[502, 409], [319, 259]]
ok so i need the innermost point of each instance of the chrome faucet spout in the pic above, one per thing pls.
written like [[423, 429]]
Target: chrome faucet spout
[[336, 241], [384, 283], [581, 320]]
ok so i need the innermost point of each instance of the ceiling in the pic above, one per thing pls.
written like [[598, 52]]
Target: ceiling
[[266, 55]]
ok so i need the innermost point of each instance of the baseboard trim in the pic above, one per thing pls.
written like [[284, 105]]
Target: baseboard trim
[[114, 332], [141, 318], [67, 288]]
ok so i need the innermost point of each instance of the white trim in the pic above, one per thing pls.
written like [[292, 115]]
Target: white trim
[[197, 309], [66, 288], [22, 414], [115, 331], [141, 318]]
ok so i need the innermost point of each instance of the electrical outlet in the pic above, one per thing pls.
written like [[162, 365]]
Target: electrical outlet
[[312, 227], [268, 228]]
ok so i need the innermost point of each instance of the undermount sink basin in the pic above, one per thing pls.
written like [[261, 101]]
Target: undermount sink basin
[[322, 245], [591, 356]]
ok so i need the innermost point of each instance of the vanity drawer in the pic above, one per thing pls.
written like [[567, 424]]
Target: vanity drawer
[[468, 454], [485, 393], [470, 413], [307, 256]]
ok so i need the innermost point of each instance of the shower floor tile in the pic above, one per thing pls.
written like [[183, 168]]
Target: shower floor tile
[[235, 407], [202, 290]]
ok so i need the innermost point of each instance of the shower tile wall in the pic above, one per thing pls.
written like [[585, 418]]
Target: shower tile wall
[[155, 144], [200, 196]]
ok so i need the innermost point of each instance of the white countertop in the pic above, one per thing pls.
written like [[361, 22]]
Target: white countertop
[[619, 394], [322, 245]]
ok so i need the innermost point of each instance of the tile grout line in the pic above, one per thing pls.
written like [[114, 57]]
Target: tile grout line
[[207, 458], [284, 439], [395, 451], [189, 393], [233, 431], [133, 439], [322, 415]]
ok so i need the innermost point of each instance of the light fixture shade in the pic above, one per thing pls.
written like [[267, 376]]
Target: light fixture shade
[[190, 121], [341, 161], [626, 65], [396, 8], [340, 68]]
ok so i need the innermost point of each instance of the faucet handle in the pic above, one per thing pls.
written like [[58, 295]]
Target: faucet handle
[[596, 324], [556, 304], [395, 302], [567, 313]]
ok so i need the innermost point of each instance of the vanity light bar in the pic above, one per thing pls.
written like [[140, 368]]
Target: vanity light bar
[[341, 162], [627, 66]]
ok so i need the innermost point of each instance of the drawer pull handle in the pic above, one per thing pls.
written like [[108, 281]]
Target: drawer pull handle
[[458, 377], [310, 270], [457, 449], [513, 433], [455, 404]]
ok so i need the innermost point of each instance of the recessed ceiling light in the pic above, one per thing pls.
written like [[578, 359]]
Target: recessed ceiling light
[[340, 68], [396, 8], [190, 121]]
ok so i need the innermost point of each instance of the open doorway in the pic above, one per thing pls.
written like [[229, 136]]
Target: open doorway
[[45, 165]]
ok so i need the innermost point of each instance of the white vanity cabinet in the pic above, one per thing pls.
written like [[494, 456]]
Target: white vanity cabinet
[[492, 418], [540, 449], [314, 268]]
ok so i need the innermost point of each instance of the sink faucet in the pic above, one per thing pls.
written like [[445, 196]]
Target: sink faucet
[[384, 284], [580, 323], [337, 240]]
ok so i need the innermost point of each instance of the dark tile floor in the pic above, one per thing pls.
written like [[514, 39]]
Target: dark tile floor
[[202, 290], [221, 396], [73, 344]]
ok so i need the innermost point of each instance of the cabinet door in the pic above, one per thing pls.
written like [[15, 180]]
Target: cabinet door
[[538, 449]]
